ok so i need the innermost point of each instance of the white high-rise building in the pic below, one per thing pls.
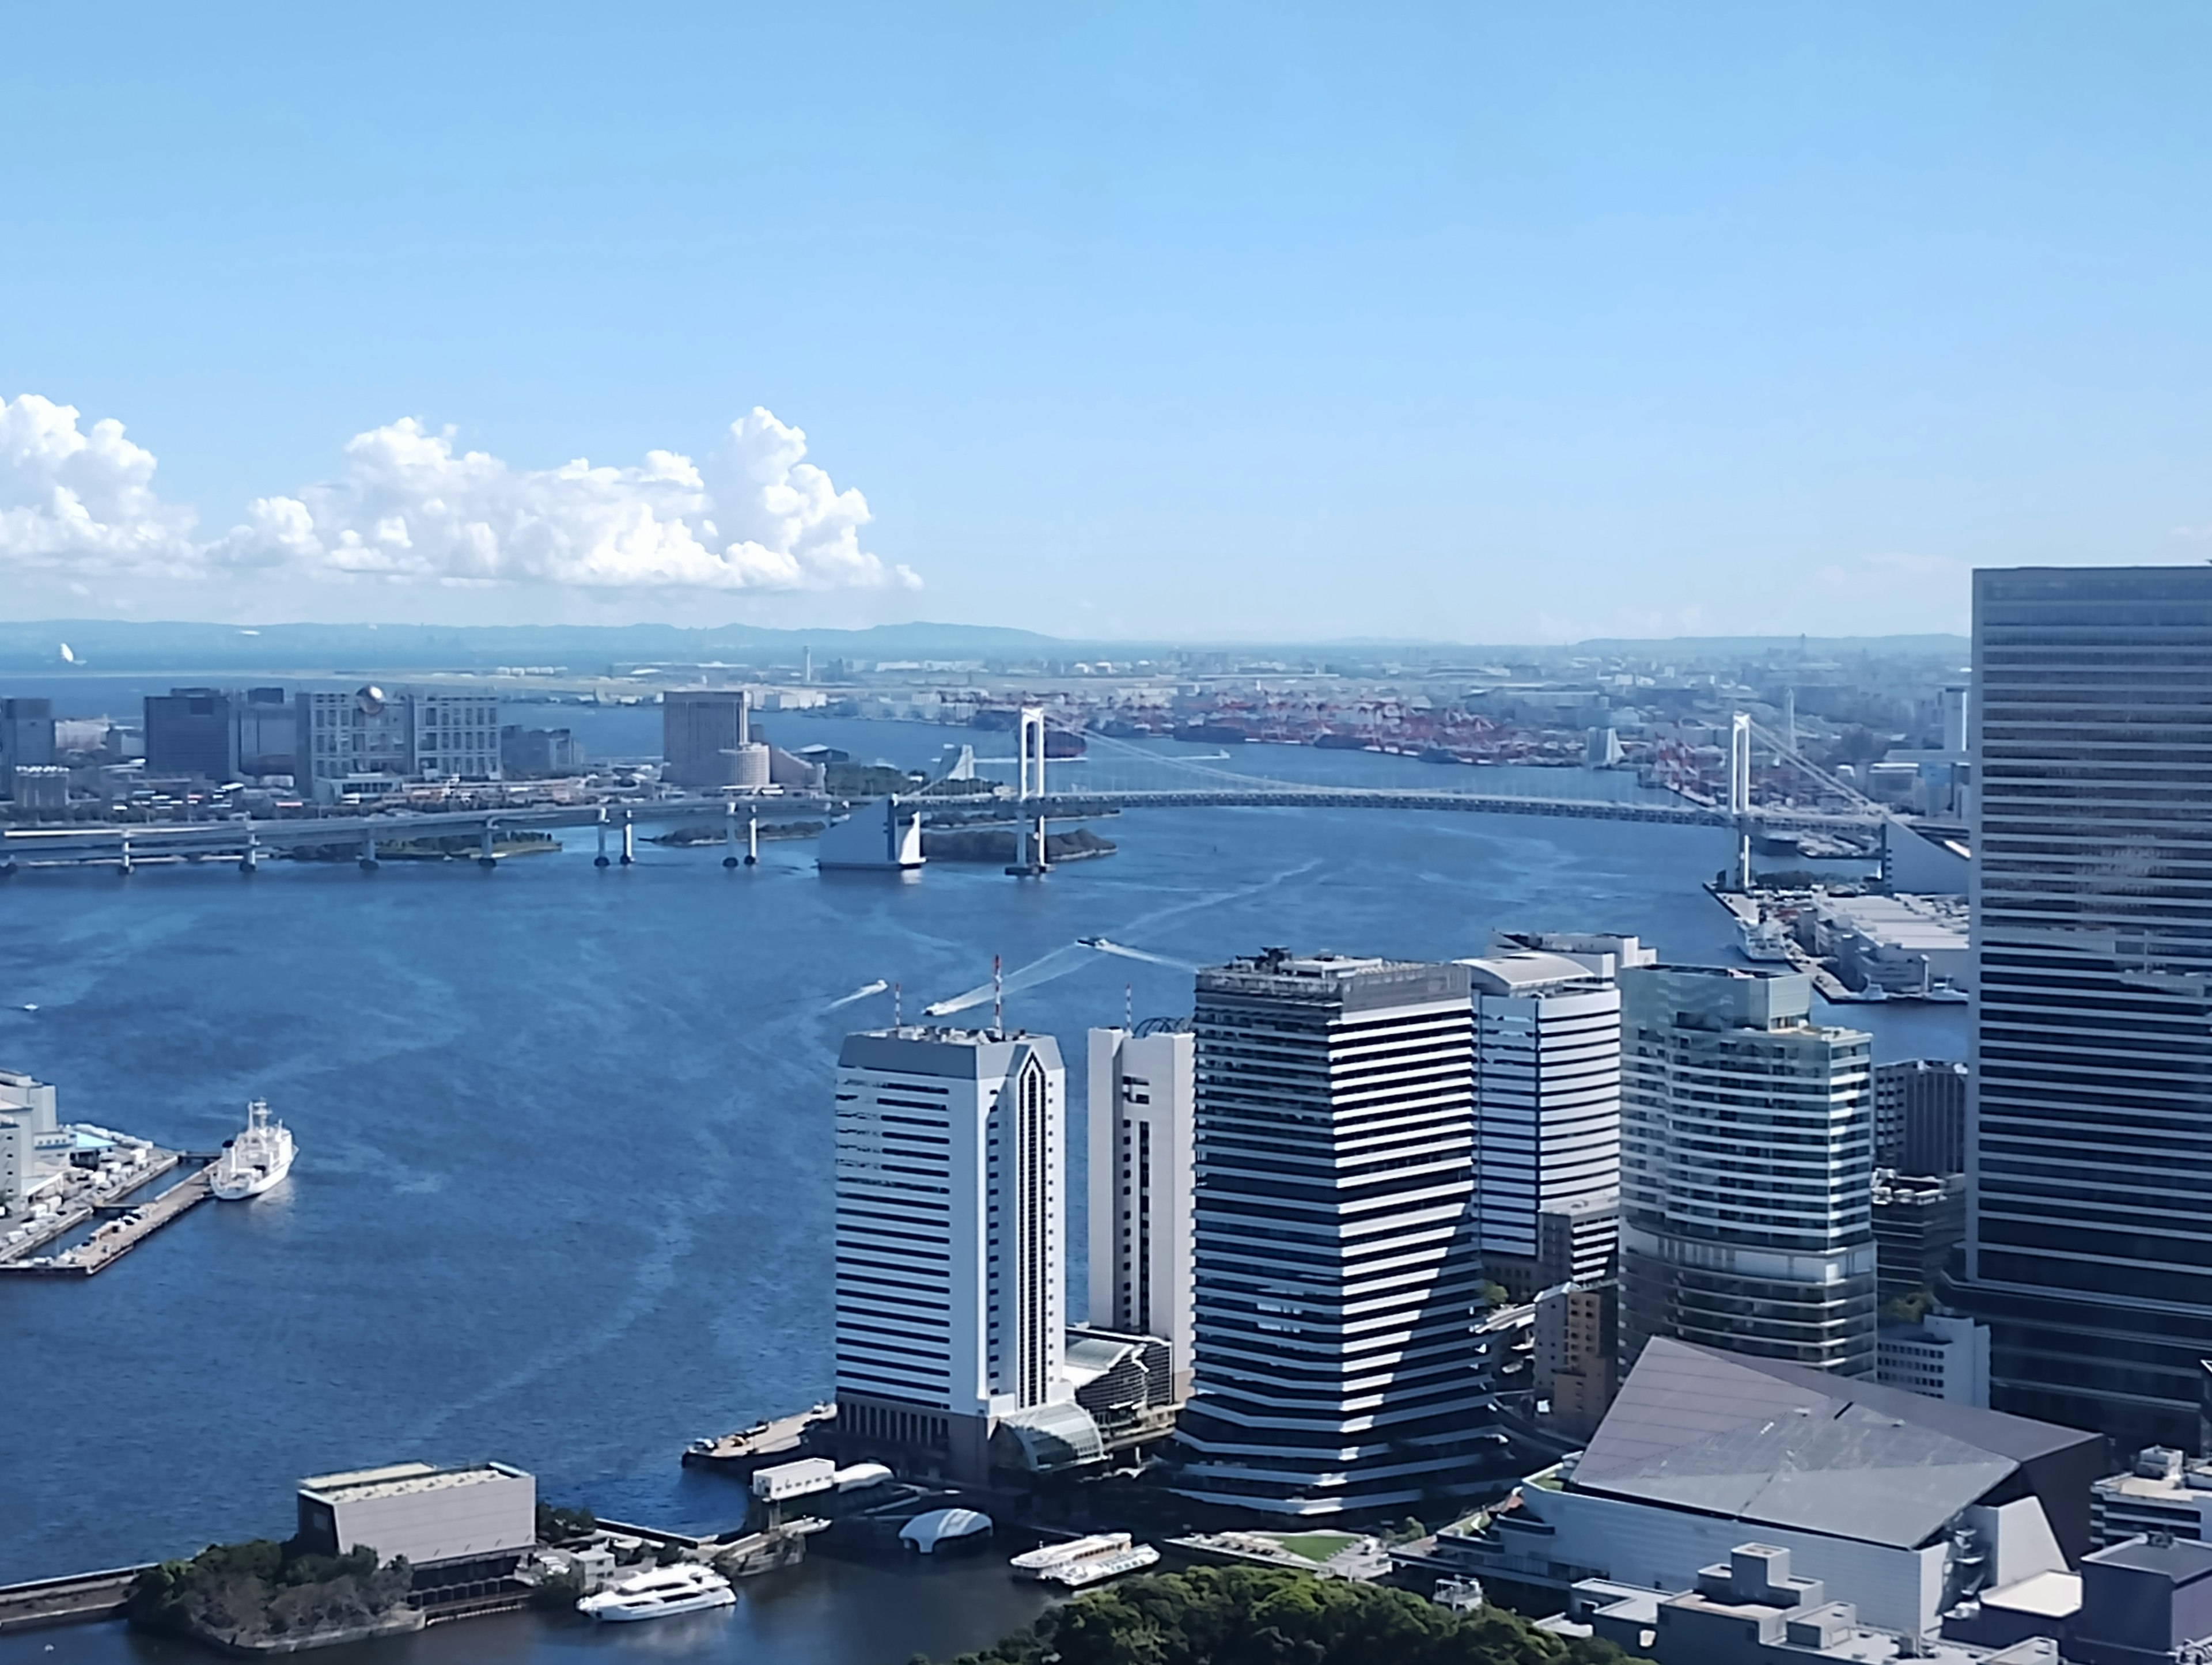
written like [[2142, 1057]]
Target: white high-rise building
[[1547, 1106], [1141, 1094], [26, 1115], [950, 1260], [1747, 1169], [1338, 1285]]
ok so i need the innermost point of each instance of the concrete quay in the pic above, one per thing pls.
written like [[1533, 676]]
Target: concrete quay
[[131, 1225], [80, 1600]]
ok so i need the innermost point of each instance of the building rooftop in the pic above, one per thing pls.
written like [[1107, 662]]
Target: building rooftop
[[2182, 1561], [401, 1478], [1779, 1444], [1527, 969]]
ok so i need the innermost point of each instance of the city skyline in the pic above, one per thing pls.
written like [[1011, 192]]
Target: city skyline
[[1479, 327]]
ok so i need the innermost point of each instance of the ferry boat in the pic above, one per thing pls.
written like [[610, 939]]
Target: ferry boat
[[257, 1159], [1084, 1561], [659, 1594]]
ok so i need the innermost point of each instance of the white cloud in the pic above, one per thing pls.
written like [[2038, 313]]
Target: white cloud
[[409, 509], [82, 504]]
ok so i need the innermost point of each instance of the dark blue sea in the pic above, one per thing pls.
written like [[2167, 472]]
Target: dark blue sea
[[563, 1197]]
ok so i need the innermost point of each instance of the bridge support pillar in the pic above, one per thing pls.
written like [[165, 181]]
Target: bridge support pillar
[[123, 865], [7, 866], [249, 859], [630, 840], [368, 853], [485, 859], [600, 859], [752, 837], [1028, 840], [730, 835]]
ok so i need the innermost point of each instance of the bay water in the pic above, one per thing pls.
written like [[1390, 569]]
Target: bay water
[[563, 1190]]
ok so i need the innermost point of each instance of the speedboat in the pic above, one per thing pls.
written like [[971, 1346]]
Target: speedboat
[[659, 1594]]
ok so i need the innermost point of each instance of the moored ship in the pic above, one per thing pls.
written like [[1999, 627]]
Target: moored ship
[[659, 1594], [256, 1159]]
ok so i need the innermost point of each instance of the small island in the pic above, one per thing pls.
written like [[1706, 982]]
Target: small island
[[263, 1597]]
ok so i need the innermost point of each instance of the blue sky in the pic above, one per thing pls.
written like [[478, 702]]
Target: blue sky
[[1478, 322]]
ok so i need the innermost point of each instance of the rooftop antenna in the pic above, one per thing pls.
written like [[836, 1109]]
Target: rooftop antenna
[[1130, 1007], [896, 1023], [997, 998]]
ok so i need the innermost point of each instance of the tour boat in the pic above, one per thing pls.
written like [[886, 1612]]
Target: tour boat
[[1084, 1561], [257, 1159], [658, 1593]]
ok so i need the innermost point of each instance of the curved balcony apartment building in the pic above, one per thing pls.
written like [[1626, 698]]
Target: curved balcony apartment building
[[1337, 1276], [1747, 1169]]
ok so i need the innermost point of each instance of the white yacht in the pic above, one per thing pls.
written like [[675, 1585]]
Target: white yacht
[[257, 1159], [658, 1593], [1084, 1561]]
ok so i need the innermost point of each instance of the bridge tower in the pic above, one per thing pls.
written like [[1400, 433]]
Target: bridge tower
[[1740, 794], [1030, 841]]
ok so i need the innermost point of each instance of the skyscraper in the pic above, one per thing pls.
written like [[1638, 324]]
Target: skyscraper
[[706, 737], [2089, 1240], [1747, 1167], [1141, 1087], [26, 738], [1547, 1107], [1338, 1283], [950, 1309]]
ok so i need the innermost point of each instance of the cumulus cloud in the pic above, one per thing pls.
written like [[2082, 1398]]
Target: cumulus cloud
[[82, 504], [409, 509]]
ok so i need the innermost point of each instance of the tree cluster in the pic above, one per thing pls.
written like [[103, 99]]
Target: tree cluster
[[1259, 1616], [261, 1590]]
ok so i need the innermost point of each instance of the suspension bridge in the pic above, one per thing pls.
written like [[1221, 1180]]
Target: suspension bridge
[[1109, 775]]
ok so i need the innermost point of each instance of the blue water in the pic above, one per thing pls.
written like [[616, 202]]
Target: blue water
[[563, 1190]]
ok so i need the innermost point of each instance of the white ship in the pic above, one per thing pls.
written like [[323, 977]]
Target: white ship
[[257, 1159], [1763, 939], [659, 1594], [1084, 1561]]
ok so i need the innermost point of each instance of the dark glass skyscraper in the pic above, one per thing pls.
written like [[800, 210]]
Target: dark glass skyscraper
[[2089, 1248]]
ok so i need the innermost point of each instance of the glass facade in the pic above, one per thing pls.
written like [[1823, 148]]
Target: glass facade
[[2089, 1247]]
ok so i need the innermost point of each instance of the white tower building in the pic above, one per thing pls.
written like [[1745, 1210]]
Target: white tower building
[[951, 1266], [1338, 1365], [1547, 1107], [1747, 1169], [1141, 1094]]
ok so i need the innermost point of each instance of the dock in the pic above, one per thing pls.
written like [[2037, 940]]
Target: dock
[[130, 1225]]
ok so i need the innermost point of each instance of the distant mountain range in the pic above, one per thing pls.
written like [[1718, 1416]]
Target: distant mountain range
[[111, 645]]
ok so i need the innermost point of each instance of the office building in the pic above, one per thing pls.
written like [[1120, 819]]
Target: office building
[[1547, 1106], [192, 733], [369, 744], [950, 1258], [1338, 1278], [1747, 1169], [268, 733], [41, 787], [27, 736], [1940, 1355], [456, 737], [1919, 1220], [1900, 1500], [360, 744], [2089, 1245], [1920, 1116], [538, 754], [702, 732], [2165, 1491], [1140, 1108], [1575, 1361]]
